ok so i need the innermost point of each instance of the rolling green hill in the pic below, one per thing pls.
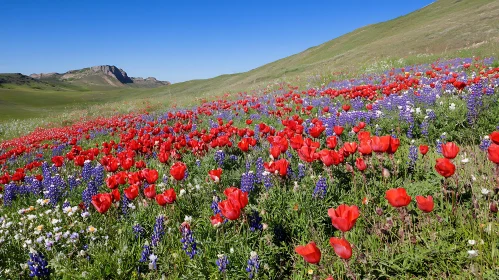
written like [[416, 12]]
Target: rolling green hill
[[446, 28]]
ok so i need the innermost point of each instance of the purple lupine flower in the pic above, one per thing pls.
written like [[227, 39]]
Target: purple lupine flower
[[301, 170], [38, 266], [247, 181], [87, 170], [267, 180], [158, 232], [413, 156], [320, 188], [138, 230], [146, 252], [255, 221], [259, 170], [219, 157], [222, 263], [485, 143], [188, 241], [253, 265]]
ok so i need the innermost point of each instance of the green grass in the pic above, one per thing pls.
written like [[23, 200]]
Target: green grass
[[444, 29]]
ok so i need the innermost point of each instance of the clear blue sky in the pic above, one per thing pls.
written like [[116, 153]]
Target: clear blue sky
[[175, 40]]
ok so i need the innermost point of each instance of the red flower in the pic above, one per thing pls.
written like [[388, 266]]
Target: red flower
[[58, 160], [275, 151], [423, 149], [170, 195], [350, 147], [360, 164], [445, 167], [341, 247], [309, 252], [338, 130], [326, 157], [450, 150], [494, 137], [102, 202], [425, 204], [316, 131], [237, 197], [216, 220], [112, 182], [178, 170], [380, 144], [344, 217], [243, 144], [229, 210], [132, 192], [493, 151], [307, 153], [331, 142], [151, 175], [282, 167], [394, 145], [365, 147], [398, 197], [150, 191], [215, 174], [116, 195], [345, 107]]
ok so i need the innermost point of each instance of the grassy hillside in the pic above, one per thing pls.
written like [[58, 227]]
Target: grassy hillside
[[446, 28]]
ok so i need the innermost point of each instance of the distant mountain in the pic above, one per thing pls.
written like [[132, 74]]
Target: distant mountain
[[101, 76]]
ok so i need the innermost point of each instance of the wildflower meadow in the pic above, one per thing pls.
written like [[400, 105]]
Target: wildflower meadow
[[391, 175]]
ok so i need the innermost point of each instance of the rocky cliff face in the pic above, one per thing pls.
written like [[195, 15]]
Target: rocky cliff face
[[101, 75]]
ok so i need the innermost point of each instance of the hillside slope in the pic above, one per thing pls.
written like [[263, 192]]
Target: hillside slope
[[443, 28]]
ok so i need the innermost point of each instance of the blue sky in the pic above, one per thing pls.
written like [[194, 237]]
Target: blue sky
[[175, 40]]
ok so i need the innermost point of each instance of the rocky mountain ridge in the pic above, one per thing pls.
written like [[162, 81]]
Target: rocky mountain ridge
[[101, 75]]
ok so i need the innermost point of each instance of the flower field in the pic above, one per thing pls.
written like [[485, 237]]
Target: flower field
[[388, 175]]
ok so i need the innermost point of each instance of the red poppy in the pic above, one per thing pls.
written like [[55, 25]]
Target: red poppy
[[112, 182], [58, 160], [345, 107], [316, 130], [116, 195], [338, 130], [275, 151], [341, 247], [350, 147], [150, 191], [170, 195], [344, 217], [331, 142], [493, 152], [398, 197], [360, 164], [215, 174], [394, 145], [282, 167], [238, 197], [380, 144], [365, 148], [309, 252], [423, 149], [102, 202], [216, 220], [229, 209], [450, 150], [425, 204], [307, 153], [132, 192], [243, 144], [445, 167], [494, 137], [178, 170], [151, 175]]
